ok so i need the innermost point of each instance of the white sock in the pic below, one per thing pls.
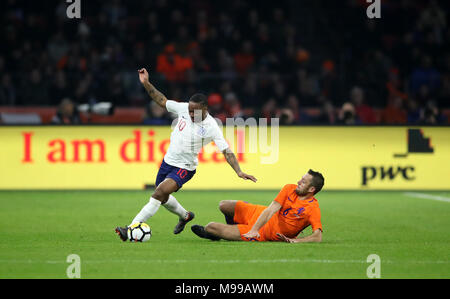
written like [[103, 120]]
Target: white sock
[[147, 211], [174, 206]]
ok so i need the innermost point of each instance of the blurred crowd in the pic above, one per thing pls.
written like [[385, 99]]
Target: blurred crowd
[[252, 58]]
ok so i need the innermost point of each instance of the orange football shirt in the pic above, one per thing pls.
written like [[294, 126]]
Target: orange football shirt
[[294, 216]]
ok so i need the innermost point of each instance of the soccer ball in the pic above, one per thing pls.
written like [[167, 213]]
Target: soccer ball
[[139, 232]]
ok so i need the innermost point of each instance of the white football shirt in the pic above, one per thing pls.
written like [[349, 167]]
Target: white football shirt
[[188, 138]]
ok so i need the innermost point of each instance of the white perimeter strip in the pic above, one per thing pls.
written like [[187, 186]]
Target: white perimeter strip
[[277, 261], [427, 196]]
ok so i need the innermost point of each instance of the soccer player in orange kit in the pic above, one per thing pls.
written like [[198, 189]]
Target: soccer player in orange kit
[[294, 209]]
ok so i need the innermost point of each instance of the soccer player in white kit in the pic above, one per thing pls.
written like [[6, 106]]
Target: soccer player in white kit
[[195, 128]]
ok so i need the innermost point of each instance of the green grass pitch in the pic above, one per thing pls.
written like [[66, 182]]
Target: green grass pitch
[[38, 230]]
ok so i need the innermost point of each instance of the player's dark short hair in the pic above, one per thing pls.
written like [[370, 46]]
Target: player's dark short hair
[[199, 98], [317, 180]]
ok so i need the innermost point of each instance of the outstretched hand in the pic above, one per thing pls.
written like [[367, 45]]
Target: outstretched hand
[[245, 176], [251, 234], [284, 238]]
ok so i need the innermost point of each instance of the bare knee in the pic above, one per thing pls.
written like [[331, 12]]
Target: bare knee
[[162, 192], [223, 205], [227, 206], [160, 195]]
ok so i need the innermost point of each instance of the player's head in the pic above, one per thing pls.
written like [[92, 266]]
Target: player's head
[[198, 107], [311, 183]]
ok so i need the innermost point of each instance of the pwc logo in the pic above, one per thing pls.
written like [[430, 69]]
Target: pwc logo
[[417, 143]]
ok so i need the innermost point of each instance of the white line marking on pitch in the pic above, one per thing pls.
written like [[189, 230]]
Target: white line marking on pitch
[[155, 261], [427, 196]]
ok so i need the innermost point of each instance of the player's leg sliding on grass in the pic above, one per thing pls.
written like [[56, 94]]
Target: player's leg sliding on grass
[[216, 231], [195, 129], [294, 209]]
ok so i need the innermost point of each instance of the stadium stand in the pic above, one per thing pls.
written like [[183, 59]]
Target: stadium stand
[[307, 62]]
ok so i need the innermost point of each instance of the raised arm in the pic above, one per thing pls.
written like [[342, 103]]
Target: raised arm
[[156, 96], [231, 159]]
